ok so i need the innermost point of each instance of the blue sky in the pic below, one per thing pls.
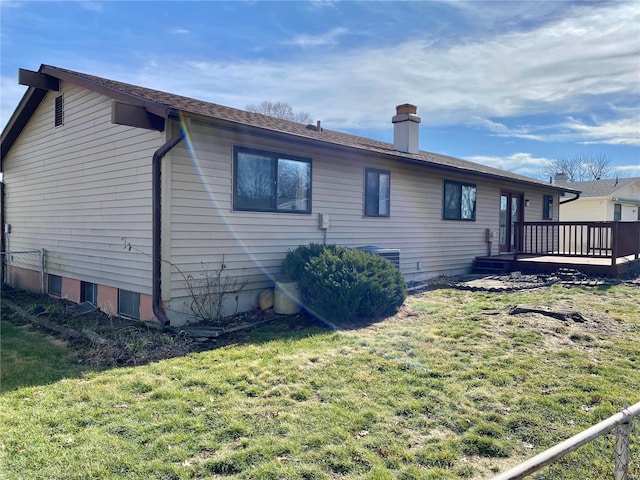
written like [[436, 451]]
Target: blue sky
[[510, 84]]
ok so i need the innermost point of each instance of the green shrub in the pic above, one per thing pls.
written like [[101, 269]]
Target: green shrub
[[295, 261], [339, 283]]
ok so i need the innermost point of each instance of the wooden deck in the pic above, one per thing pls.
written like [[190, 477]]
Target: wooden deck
[[595, 248], [509, 262]]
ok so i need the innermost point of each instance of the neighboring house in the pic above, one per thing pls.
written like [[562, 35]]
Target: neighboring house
[[91, 165], [603, 200]]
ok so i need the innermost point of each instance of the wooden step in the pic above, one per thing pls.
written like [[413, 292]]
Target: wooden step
[[491, 265]]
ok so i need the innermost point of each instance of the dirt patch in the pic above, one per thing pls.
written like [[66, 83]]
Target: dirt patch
[[557, 335], [517, 281]]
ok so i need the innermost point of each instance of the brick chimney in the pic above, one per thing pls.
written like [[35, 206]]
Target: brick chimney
[[405, 128], [561, 178]]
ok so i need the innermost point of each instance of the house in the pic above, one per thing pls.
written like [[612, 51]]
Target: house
[[604, 200], [91, 166]]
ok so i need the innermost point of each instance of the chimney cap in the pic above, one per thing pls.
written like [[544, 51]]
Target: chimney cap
[[406, 108]]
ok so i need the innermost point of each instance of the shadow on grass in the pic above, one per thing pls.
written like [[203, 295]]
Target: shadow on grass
[[285, 327], [30, 358], [41, 343]]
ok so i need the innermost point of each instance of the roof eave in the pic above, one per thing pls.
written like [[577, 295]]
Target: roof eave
[[19, 119], [34, 96], [411, 159], [156, 108]]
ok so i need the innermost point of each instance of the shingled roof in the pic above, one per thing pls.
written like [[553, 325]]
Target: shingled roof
[[168, 105], [601, 188]]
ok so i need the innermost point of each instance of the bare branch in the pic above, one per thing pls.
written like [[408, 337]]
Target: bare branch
[[279, 110], [599, 165], [579, 167]]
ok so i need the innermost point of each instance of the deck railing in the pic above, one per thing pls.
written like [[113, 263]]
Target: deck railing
[[578, 239]]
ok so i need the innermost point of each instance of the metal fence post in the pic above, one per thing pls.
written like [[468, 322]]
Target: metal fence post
[[623, 434]]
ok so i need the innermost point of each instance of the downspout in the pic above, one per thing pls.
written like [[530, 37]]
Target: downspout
[[156, 253]]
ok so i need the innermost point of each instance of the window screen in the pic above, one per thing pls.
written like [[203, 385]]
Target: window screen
[[128, 304], [377, 187], [89, 293], [271, 182], [617, 212], [547, 207], [459, 201], [55, 285]]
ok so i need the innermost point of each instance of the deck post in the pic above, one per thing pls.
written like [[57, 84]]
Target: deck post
[[614, 243]]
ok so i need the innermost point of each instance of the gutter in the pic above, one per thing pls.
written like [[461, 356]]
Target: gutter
[[627, 201], [571, 199], [156, 173]]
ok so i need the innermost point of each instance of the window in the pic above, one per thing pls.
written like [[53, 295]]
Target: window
[[55, 285], [459, 201], [89, 293], [547, 207], [128, 303], [59, 111], [377, 188], [271, 182], [617, 212]]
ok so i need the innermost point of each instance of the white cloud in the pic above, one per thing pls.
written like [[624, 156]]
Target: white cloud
[[627, 171], [179, 31], [621, 131], [91, 6], [506, 14], [12, 4], [559, 67], [562, 67], [327, 38], [625, 131], [531, 166], [522, 163]]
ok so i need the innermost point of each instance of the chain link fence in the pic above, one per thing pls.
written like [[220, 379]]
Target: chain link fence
[[608, 450], [602, 458], [24, 269]]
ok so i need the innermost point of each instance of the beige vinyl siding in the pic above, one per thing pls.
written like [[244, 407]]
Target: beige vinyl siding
[[76, 190], [629, 210], [204, 226], [585, 210]]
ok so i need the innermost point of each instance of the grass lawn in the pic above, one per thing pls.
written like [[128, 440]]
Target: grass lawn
[[451, 387], [28, 358]]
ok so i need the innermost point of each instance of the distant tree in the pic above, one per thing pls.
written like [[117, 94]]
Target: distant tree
[[599, 166], [279, 110], [579, 167]]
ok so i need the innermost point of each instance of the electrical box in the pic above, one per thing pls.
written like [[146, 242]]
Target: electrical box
[[7, 228], [324, 221]]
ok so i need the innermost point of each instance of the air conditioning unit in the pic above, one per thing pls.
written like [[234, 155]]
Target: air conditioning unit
[[391, 254]]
